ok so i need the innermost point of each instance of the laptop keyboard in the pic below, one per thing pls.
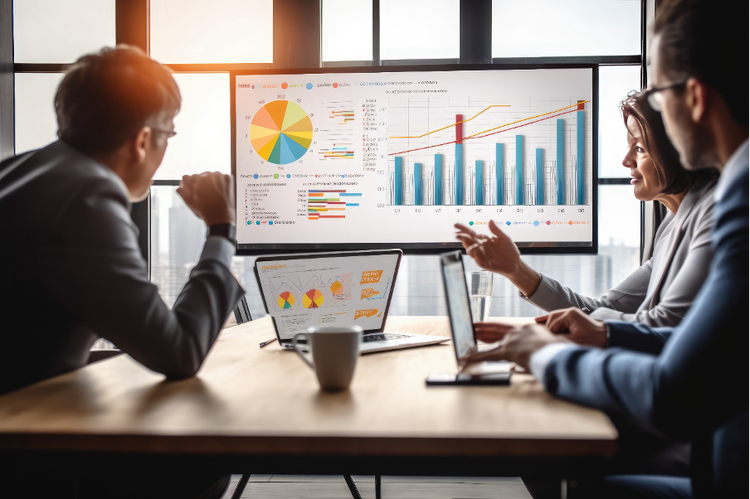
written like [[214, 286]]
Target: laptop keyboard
[[383, 337]]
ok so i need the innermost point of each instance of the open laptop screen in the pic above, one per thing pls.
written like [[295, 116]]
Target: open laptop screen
[[331, 289], [457, 296]]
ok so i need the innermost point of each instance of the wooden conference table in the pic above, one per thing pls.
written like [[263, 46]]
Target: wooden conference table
[[260, 411]]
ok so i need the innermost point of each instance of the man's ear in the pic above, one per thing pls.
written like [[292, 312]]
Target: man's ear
[[141, 144], [696, 96]]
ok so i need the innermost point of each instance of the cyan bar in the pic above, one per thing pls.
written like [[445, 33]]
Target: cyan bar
[[519, 169], [459, 174], [350, 194], [499, 176], [539, 176], [478, 182], [417, 184], [438, 179], [351, 204], [579, 157], [398, 195], [561, 162]]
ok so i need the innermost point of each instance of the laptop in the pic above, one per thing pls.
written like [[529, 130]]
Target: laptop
[[335, 289], [462, 325]]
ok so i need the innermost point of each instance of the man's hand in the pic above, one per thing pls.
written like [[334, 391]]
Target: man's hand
[[580, 328], [210, 196], [519, 344], [491, 332], [497, 253]]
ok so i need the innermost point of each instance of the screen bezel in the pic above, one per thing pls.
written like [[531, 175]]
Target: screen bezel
[[530, 248], [329, 254], [447, 259]]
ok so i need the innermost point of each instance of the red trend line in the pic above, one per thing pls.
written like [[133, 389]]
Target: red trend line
[[483, 136]]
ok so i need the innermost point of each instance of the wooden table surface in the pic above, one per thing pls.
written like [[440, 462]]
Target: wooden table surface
[[248, 400]]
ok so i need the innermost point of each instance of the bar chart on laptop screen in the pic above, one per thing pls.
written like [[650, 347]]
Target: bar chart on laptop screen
[[400, 157]]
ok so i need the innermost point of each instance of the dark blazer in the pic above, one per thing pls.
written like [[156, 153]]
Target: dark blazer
[[695, 388], [73, 272]]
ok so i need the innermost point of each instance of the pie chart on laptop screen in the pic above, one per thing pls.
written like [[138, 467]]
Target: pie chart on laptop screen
[[281, 132], [312, 299]]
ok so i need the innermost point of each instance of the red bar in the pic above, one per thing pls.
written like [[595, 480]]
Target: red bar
[[459, 128], [580, 105], [313, 191], [332, 216]]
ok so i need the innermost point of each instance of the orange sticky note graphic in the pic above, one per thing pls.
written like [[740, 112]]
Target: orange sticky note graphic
[[368, 293], [371, 276], [365, 313]]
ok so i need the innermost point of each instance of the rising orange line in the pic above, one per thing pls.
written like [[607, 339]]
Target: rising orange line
[[452, 124], [499, 126]]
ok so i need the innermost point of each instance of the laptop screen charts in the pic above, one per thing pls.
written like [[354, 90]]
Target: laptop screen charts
[[327, 290]]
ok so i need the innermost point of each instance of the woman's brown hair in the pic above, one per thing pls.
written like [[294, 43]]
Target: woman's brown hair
[[672, 175]]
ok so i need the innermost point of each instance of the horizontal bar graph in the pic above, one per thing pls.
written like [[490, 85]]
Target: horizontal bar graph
[[337, 151], [323, 204]]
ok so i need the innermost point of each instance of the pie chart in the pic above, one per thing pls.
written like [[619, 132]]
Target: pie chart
[[281, 132], [312, 299], [337, 288], [285, 300]]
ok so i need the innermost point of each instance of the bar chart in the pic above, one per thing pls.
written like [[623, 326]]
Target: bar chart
[[536, 176], [399, 157]]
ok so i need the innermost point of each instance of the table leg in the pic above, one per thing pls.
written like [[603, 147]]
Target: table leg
[[241, 486], [352, 487]]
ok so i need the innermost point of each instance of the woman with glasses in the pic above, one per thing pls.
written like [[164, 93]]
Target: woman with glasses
[[660, 292]]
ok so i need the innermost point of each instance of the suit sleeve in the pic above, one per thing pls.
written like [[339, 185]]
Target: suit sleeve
[[93, 266], [625, 297], [638, 337], [677, 393]]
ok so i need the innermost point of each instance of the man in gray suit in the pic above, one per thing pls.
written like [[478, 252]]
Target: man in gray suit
[[668, 388], [73, 268]]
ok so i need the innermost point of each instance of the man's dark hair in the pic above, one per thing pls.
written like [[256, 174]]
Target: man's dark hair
[[708, 40], [107, 97], [672, 175]]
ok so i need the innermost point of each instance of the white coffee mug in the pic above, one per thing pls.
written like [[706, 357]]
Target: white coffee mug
[[333, 354]]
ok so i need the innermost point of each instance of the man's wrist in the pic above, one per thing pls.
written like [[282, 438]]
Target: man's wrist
[[225, 230]]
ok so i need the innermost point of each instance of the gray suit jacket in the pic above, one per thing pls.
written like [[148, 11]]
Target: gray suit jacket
[[74, 273], [660, 292]]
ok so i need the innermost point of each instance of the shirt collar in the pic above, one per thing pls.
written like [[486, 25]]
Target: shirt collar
[[732, 167]]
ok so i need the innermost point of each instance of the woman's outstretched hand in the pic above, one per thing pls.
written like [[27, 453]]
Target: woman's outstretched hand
[[497, 253]]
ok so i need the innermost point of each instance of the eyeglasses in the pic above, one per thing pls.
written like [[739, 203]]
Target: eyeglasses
[[170, 133], [656, 98]]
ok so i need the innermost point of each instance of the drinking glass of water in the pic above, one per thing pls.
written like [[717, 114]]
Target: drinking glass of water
[[480, 294]]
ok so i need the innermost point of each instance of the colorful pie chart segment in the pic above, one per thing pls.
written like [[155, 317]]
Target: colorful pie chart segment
[[312, 299], [281, 132], [285, 300], [337, 288]]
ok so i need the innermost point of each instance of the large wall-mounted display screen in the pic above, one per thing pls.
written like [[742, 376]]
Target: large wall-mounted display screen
[[393, 158]]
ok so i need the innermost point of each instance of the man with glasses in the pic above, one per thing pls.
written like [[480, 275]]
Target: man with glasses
[[73, 268], [695, 388]]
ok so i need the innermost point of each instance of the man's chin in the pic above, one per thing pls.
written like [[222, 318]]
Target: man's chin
[[695, 163]]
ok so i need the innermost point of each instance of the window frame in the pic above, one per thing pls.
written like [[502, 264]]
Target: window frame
[[296, 27]]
